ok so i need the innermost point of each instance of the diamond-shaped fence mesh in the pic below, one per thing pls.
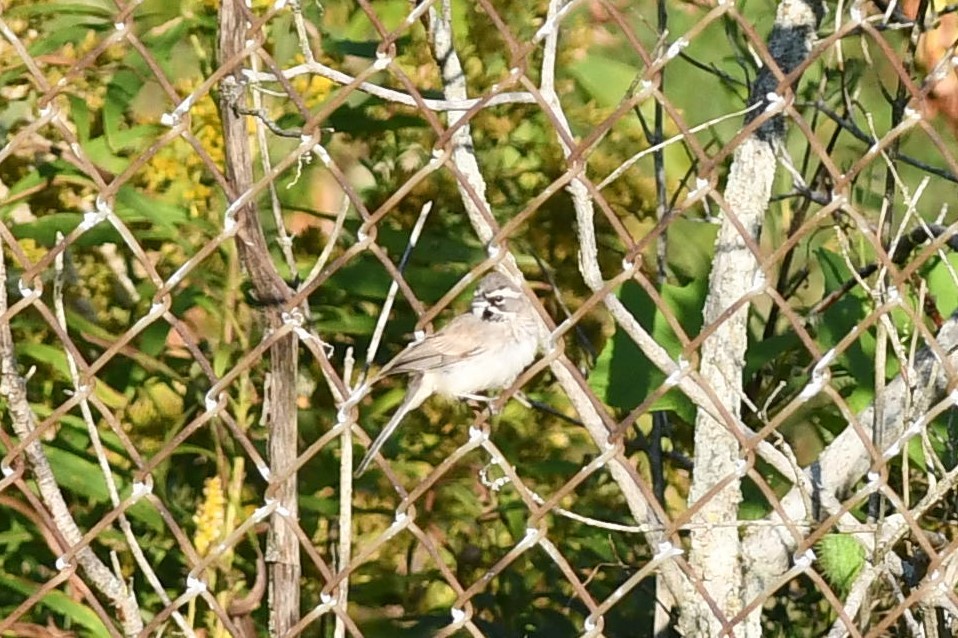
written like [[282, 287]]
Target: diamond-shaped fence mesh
[[732, 223]]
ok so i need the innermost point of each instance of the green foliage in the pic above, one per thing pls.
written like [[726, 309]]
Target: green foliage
[[58, 603], [841, 558], [623, 376], [171, 202]]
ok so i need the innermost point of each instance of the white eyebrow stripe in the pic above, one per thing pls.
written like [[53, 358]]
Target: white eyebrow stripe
[[505, 292]]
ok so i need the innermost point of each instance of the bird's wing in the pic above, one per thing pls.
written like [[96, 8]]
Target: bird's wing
[[438, 350]]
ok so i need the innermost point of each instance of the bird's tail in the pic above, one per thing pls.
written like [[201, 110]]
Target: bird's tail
[[414, 398]]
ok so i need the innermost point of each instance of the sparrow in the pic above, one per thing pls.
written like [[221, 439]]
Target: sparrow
[[482, 349]]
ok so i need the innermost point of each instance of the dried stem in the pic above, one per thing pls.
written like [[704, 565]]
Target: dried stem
[[282, 553], [13, 388]]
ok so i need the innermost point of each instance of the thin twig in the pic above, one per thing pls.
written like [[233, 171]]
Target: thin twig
[[389, 95], [331, 240], [284, 240], [394, 286], [141, 560], [23, 420]]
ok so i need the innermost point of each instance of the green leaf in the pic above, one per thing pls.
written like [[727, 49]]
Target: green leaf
[[606, 80], [690, 247], [321, 506], [60, 9], [78, 322], [122, 89], [104, 150], [133, 205], [52, 356], [623, 376], [343, 321], [75, 428], [55, 358], [763, 351], [390, 13], [144, 512], [153, 341], [359, 48], [58, 602], [353, 118], [28, 181], [916, 453], [222, 358], [43, 230], [834, 269], [103, 156], [161, 42], [78, 474], [69, 32], [942, 285], [841, 558], [80, 115], [14, 537], [843, 317]]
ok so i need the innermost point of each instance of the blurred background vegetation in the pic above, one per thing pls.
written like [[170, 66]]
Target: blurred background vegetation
[[174, 207]]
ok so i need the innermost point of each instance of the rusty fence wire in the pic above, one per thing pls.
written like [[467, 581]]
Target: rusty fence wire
[[220, 219]]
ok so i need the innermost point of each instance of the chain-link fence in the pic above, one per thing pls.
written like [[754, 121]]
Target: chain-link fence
[[732, 223]]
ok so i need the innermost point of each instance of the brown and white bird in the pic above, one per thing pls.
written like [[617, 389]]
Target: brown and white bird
[[480, 350]]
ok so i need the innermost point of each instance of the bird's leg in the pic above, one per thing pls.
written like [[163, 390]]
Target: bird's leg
[[488, 401], [478, 398]]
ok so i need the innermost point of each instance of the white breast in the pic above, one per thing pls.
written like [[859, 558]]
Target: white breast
[[507, 354]]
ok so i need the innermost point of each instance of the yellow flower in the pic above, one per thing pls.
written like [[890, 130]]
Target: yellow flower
[[313, 88], [210, 517], [176, 171]]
